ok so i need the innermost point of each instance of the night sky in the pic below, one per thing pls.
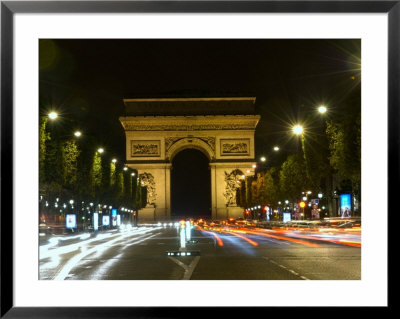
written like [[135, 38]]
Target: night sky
[[87, 80]]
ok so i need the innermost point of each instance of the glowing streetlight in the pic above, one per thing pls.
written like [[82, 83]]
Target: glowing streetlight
[[77, 133], [114, 160], [133, 174], [276, 148], [100, 150], [52, 115], [263, 159], [297, 129], [322, 109], [254, 166], [125, 168]]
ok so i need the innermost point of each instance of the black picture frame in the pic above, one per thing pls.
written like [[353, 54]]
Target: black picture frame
[[9, 8]]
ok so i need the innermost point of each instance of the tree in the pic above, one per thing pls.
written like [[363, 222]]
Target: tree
[[117, 186], [241, 196], [128, 198], [54, 169], [344, 134], [316, 159], [293, 176], [70, 159], [44, 136], [249, 194], [86, 178], [272, 186], [97, 175]]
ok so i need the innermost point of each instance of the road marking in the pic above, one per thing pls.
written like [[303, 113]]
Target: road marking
[[188, 269], [288, 269], [179, 263], [192, 266]]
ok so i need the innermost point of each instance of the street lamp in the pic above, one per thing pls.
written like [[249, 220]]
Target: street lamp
[[276, 148], [133, 174], [114, 160], [77, 133], [297, 129], [100, 150], [125, 168], [322, 109], [52, 115], [263, 159]]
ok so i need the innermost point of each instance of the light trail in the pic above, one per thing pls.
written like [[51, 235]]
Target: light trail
[[219, 240], [297, 241], [83, 249], [252, 242], [339, 237], [290, 239]]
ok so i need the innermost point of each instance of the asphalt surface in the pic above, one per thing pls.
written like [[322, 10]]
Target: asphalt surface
[[141, 253]]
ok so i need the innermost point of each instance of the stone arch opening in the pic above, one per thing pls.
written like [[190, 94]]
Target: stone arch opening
[[199, 143], [190, 184]]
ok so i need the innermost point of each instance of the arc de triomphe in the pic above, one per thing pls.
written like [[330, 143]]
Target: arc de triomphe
[[158, 129]]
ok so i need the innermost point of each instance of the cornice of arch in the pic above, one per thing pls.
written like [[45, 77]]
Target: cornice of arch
[[190, 123]]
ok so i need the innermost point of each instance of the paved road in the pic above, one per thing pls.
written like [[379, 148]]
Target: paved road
[[140, 253]]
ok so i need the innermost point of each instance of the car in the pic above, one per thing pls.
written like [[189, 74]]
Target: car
[[241, 222], [215, 223]]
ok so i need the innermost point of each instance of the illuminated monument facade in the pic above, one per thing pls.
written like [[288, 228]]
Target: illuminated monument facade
[[158, 129]]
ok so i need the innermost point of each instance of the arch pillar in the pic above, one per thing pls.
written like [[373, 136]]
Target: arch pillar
[[225, 179], [157, 178]]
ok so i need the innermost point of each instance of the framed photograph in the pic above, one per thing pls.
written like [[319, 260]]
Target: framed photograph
[[309, 72]]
